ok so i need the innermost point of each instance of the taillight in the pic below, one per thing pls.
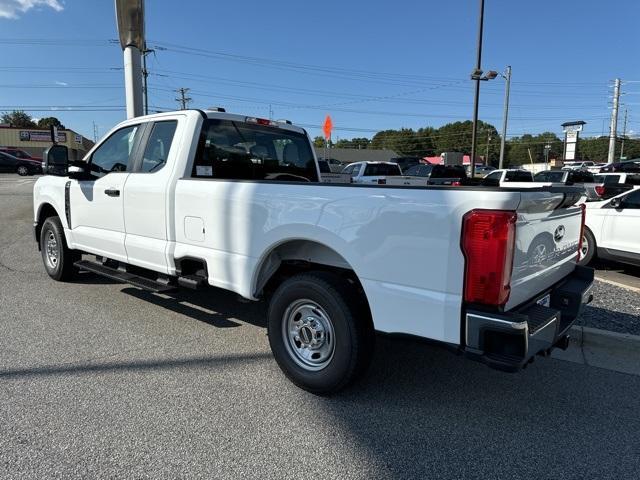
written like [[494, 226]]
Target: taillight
[[382, 181], [599, 190], [488, 243], [455, 183], [583, 213]]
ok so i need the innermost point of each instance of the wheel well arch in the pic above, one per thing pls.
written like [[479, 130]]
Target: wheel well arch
[[298, 255], [45, 211]]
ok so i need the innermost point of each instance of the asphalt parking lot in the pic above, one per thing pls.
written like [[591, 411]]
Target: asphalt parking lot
[[99, 379]]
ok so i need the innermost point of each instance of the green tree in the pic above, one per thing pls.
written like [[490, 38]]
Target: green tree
[[319, 142], [528, 148], [456, 137], [47, 122], [18, 118], [404, 141]]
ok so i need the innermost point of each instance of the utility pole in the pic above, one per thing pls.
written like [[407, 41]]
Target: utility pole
[[505, 115], [614, 121], [624, 134], [95, 133], [486, 157], [476, 98], [130, 21], [183, 100], [145, 74]]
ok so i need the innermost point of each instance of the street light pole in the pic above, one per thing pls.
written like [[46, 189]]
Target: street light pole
[[476, 97], [505, 115]]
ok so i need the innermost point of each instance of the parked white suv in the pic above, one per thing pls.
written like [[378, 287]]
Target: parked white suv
[[612, 229]]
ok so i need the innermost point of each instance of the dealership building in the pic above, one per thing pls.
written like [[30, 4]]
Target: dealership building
[[35, 141]]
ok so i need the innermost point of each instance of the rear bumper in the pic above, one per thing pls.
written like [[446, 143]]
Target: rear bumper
[[508, 341]]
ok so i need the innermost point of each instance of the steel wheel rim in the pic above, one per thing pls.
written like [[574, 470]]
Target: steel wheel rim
[[584, 249], [51, 249], [308, 335]]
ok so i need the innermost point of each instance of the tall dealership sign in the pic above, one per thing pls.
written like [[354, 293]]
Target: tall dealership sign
[[130, 19], [571, 134]]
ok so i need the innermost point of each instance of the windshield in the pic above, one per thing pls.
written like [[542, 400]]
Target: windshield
[[448, 171], [382, 169], [518, 176], [554, 176], [606, 179]]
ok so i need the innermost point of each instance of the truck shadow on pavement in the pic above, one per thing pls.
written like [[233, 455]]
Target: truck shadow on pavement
[[216, 307], [133, 366]]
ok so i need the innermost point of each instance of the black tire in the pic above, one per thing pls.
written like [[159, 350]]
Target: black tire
[[589, 248], [352, 335], [22, 170], [58, 259]]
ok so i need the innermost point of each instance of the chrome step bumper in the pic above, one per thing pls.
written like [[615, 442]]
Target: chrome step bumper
[[510, 340]]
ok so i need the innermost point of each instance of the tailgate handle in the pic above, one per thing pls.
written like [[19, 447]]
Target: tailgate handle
[[112, 192]]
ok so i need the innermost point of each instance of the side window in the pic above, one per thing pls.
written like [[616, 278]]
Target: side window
[[494, 176], [632, 200], [114, 155], [158, 146], [348, 169]]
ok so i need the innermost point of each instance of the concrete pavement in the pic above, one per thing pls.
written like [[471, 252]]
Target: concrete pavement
[[99, 379]]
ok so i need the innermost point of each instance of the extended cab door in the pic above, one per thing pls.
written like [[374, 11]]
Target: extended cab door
[[622, 224], [147, 195], [96, 204]]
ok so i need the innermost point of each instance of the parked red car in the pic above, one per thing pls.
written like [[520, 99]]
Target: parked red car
[[16, 152]]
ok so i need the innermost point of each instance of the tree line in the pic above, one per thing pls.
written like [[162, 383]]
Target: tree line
[[456, 137], [21, 119]]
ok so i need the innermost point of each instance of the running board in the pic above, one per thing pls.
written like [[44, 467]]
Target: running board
[[124, 277]]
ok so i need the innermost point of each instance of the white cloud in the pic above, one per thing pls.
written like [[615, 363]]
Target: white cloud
[[62, 84], [12, 9]]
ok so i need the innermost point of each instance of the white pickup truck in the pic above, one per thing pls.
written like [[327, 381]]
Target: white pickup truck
[[206, 198]]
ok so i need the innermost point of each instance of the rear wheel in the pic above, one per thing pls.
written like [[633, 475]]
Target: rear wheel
[[22, 170], [588, 248], [321, 338], [57, 257]]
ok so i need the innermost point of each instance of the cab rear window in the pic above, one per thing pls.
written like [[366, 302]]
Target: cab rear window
[[237, 150]]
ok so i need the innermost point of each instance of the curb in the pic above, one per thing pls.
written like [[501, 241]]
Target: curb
[[616, 284], [619, 352]]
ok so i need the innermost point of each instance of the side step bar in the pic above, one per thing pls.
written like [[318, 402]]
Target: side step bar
[[124, 277]]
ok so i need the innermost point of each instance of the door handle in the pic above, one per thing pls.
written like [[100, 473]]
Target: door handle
[[112, 192]]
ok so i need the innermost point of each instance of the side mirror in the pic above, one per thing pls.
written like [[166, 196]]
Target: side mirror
[[56, 161], [616, 203]]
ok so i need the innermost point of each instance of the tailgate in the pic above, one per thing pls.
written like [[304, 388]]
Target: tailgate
[[547, 236]]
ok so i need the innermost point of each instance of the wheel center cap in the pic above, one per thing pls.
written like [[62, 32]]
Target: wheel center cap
[[306, 334]]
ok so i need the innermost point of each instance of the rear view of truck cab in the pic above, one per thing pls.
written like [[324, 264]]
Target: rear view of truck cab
[[522, 289]]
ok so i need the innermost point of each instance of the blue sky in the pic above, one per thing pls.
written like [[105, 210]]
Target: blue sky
[[371, 65]]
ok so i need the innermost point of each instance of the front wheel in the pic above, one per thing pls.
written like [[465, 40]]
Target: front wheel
[[23, 171], [321, 339], [57, 257], [588, 248]]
